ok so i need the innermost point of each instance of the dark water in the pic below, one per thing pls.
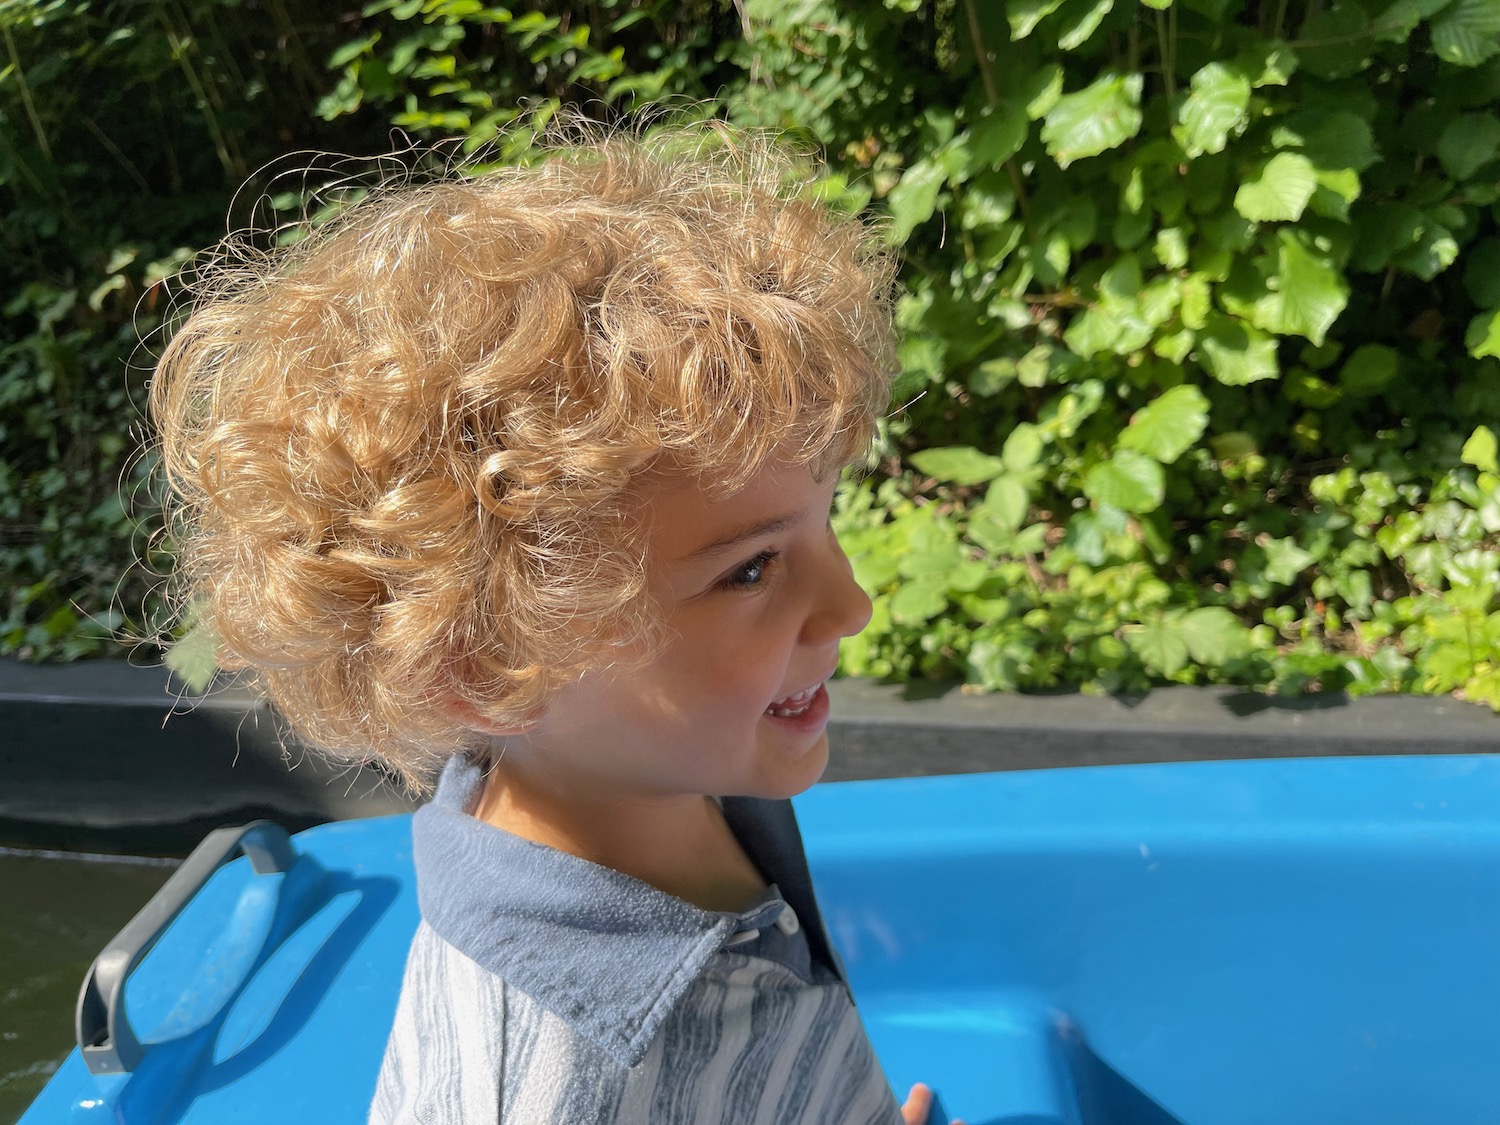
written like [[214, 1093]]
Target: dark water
[[57, 910]]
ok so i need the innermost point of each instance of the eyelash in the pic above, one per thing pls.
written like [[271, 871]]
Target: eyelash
[[735, 579]]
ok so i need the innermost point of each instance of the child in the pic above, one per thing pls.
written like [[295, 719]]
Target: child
[[527, 477]]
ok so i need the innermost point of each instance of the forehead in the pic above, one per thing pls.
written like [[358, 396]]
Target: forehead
[[681, 514]]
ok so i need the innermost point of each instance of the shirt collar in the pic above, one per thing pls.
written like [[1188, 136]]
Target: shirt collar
[[606, 953]]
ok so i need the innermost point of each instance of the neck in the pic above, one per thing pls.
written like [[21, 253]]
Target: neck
[[678, 843]]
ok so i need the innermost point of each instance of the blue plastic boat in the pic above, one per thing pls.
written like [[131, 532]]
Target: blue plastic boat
[[1303, 942]]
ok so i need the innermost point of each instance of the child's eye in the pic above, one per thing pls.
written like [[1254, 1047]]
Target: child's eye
[[749, 573]]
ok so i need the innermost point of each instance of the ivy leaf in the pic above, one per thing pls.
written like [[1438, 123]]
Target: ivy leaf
[[1160, 645], [914, 199], [1470, 141], [1308, 293], [1129, 480], [1213, 635], [1280, 191], [1097, 118], [1468, 33], [1480, 450], [1214, 108], [1024, 15], [1285, 560], [958, 464], [1169, 426], [1236, 354]]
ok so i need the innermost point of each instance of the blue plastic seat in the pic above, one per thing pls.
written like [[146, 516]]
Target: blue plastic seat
[[1301, 942]]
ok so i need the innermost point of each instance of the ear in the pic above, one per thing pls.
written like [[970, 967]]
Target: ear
[[466, 713]]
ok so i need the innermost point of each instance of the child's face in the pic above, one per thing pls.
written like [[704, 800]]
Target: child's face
[[756, 594]]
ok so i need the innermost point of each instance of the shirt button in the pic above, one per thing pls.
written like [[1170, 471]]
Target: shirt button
[[787, 922]]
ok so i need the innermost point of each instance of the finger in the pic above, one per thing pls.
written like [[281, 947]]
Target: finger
[[918, 1105]]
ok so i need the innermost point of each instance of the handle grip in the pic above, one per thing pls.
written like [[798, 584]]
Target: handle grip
[[105, 1038]]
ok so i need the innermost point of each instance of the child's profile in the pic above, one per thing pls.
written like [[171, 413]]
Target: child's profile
[[525, 478]]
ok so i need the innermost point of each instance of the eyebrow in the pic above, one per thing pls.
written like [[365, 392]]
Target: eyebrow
[[740, 534]]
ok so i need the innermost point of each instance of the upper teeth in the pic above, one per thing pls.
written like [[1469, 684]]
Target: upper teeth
[[794, 704]]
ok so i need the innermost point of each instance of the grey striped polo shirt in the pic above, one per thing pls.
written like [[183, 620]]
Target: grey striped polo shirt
[[542, 989]]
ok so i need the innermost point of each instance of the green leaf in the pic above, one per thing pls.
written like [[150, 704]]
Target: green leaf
[[1160, 645], [1006, 503], [1467, 143], [1024, 15], [1081, 30], [1043, 89], [1280, 191], [1214, 635], [1480, 450], [1110, 326], [1269, 62], [913, 200], [192, 657], [1129, 480], [1097, 118], [1334, 140], [1235, 353], [920, 600], [1482, 272], [1334, 41], [1468, 32], [1285, 560], [1435, 250], [1398, 21], [958, 464], [996, 137], [1307, 295], [1369, 370], [1215, 107], [1483, 337], [1169, 426], [1023, 447]]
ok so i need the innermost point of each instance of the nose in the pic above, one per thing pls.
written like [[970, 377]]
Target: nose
[[842, 608]]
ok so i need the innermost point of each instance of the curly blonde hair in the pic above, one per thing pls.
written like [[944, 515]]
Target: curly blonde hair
[[403, 450]]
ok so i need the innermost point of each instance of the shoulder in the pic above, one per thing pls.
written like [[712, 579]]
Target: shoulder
[[466, 1047]]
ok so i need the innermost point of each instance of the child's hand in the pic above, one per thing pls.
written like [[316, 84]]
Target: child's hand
[[918, 1106]]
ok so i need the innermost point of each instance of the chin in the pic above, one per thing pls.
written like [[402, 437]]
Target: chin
[[799, 774]]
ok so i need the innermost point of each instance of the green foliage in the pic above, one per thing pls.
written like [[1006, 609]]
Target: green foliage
[[124, 129], [1200, 307]]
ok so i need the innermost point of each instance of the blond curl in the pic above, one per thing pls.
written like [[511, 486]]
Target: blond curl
[[403, 450]]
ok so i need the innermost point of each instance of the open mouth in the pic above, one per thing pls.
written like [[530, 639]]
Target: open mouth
[[794, 705]]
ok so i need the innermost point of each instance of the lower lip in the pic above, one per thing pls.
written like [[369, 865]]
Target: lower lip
[[811, 721]]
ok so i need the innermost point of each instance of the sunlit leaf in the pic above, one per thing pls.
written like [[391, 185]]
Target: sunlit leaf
[[1097, 118], [1169, 426], [1129, 480], [1214, 108], [1279, 191], [958, 464], [1467, 32]]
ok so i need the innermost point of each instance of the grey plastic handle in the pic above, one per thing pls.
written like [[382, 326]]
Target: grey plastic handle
[[105, 1038]]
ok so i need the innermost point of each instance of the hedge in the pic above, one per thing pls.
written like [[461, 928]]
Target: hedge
[[1201, 371]]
